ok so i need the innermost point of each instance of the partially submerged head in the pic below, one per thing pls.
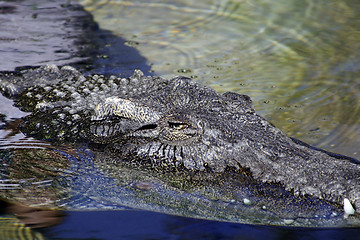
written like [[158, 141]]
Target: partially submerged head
[[178, 122], [181, 123]]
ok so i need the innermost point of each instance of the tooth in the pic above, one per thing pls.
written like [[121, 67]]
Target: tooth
[[348, 208]]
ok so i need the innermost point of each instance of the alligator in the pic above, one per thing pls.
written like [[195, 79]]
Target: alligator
[[178, 125]]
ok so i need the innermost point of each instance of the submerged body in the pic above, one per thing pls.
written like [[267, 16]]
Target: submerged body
[[177, 125]]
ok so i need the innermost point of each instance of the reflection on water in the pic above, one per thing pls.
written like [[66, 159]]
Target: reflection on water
[[298, 60]]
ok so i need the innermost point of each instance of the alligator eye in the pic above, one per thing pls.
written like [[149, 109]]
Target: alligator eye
[[178, 125]]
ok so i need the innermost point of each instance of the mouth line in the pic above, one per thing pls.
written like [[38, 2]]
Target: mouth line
[[147, 127]]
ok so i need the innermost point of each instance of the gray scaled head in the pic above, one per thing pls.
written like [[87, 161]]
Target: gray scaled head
[[180, 123]]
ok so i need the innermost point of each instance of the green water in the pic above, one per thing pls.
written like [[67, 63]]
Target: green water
[[297, 59]]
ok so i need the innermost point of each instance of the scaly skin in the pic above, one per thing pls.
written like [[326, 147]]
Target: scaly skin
[[177, 123]]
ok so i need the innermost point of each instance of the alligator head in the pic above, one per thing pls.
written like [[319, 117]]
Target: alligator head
[[176, 123], [181, 123]]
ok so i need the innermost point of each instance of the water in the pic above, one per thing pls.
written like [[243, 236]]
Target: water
[[298, 60]]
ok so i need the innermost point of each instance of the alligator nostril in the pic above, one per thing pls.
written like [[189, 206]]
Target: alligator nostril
[[147, 127]]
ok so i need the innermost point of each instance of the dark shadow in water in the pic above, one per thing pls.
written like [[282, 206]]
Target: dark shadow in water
[[113, 56]]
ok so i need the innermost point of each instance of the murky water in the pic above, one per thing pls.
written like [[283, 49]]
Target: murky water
[[298, 60]]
